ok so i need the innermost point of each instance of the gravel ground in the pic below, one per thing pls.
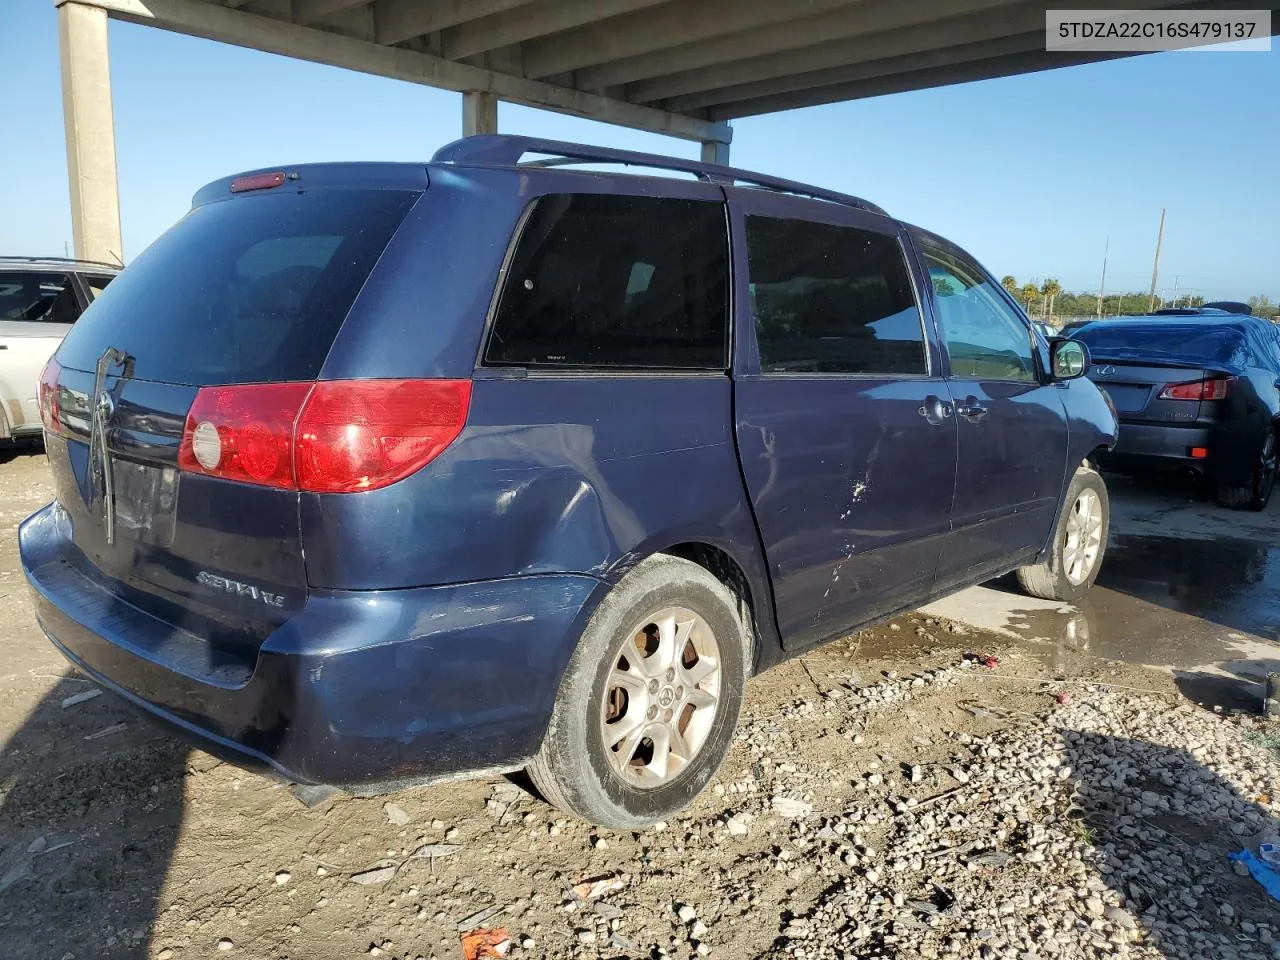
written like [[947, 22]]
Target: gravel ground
[[887, 796]]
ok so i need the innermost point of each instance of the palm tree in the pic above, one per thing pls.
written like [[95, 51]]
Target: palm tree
[[1010, 284], [1051, 288], [1029, 293]]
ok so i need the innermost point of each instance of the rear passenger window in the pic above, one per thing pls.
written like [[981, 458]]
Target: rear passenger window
[[831, 299], [37, 298], [609, 281]]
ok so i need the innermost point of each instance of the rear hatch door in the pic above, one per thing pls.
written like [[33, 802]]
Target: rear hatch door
[[248, 288]]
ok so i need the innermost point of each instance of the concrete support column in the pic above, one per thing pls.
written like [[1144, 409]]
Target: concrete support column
[[479, 113], [91, 139], [714, 151]]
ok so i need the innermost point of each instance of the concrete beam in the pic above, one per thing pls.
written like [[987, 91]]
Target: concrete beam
[[647, 31], [311, 11], [400, 20], [866, 65], [1007, 66], [91, 138], [538, 19], [200, 19], [479, 113], [864, 42], [860, 19], [871, 69]]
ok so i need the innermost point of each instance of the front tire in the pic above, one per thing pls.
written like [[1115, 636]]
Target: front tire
[[648, 705], [1079, 542]]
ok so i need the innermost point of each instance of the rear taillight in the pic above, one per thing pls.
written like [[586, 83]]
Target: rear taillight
[[333, 436], [243, 432], [1215, 389], [50, 415]]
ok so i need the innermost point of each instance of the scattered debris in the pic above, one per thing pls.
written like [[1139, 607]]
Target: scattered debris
[[985, 659], [75, 698], [106, 731], [589, 890], [473, 921], [377, 875], [484, 944]]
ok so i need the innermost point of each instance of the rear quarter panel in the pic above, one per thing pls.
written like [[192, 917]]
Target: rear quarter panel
[[555, 472]]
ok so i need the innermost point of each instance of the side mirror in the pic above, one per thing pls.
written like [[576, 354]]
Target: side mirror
[[1070, 359]]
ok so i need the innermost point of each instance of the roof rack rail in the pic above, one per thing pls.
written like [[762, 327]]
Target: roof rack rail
[[94, 263], [496, 149]]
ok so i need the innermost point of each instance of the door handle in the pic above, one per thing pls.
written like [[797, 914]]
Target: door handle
[[935, 410], [971, 409]]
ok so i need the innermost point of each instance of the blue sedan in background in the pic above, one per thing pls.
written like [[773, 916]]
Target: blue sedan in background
[[1195, 389]]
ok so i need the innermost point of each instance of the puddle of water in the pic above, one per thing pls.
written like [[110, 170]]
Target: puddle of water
[[1206, 610], [1231, 583]]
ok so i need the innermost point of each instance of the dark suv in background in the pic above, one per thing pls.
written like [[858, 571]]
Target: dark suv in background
[[378, 473]]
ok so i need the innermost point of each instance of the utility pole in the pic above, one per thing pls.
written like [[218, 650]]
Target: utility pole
[[1155, 269], [1102, 285]]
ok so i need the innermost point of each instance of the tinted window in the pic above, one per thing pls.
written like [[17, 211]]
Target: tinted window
[[244, 290], [37, 298], [986, 338], [605, 281], [97, 284], [830, 299]]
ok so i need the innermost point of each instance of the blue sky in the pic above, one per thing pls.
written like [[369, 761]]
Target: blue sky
[[1032, 174]]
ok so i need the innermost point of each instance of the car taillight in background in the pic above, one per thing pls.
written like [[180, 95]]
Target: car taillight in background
[[331, 436], [47, 395], [1215, 389]]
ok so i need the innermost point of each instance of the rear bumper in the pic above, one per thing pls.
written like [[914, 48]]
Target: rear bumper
[[1158, 445], [359, 688]]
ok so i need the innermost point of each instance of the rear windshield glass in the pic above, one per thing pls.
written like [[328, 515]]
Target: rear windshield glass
[[613, 281], [1201, 340], [242, 291]]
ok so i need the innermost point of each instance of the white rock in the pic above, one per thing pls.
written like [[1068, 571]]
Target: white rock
[[791, 808], [396, 814]]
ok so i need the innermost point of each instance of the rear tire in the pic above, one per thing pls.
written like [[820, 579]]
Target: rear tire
[[1257, 492], [659, 671], [1079, 542]]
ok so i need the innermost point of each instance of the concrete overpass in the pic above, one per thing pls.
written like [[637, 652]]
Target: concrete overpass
[[678, 67]]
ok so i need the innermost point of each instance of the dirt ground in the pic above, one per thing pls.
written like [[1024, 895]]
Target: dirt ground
[[119, 841]]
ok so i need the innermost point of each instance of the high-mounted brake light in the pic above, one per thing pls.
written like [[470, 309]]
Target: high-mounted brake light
[[47, 394], [332, 436], [1214, 389], [257, 181]]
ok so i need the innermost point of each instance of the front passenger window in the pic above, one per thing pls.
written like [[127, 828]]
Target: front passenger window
[[986, 338]]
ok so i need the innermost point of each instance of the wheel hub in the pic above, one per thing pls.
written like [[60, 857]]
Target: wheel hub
[[661, 697]]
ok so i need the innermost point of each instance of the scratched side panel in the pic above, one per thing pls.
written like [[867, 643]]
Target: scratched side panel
[[553, 474]]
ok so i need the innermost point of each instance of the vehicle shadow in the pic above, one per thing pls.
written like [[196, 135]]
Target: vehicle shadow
[[89, 817], [1163, 823]]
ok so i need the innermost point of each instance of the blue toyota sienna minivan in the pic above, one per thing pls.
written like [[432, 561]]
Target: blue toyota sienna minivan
[[375, 474]]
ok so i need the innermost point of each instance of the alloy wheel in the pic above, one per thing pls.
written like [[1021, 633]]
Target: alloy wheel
[[661, 697], [1084, 537]]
